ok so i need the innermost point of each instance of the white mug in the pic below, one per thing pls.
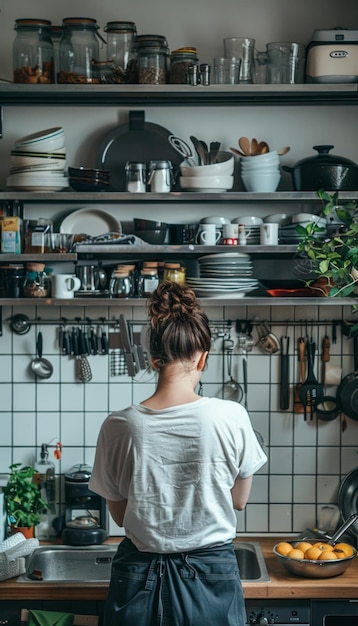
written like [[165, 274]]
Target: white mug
[[269, 234], [65, 285], [208, 235], [230, 231]]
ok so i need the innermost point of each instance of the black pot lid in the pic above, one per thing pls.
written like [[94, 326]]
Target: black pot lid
[[79, 472], [348, 498], [324, 158]]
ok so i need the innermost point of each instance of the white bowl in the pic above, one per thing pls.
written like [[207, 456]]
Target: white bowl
[[267, 156], [260, 170], [206, 183], [218, 221], [247, 220], [42, 141], [261, 183], [297, 218], [224, 166], [255, 165], [277, 218]]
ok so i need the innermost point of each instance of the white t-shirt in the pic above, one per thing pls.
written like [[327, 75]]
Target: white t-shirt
[[176, 467]]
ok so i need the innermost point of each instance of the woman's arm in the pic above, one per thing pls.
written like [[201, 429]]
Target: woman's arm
[[240, 492], [117, 509]]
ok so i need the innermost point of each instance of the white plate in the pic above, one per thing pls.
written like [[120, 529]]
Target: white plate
[[93, 222], [223, 257]]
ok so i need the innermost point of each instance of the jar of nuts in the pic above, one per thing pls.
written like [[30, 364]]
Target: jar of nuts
[[33, 53], [152, 65], [37, 281]]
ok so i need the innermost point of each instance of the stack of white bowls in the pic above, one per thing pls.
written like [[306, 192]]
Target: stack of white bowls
[[215, 177], [38, 162], [261, 173]]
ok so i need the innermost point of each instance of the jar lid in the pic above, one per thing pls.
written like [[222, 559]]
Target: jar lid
[[160, 165], [130, 268], [35, 267], [149, 40], [79, 472], [147, 271], [135, 165], [119, 26], [40, 23], [172, 266], [179, 51], [84, 22], [150, 264], [122, 273]]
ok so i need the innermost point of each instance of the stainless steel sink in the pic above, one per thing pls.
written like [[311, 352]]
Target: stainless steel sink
[[93, 563]]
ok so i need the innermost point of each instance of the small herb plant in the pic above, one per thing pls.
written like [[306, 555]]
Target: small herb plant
[[334, 258], [23, 497]]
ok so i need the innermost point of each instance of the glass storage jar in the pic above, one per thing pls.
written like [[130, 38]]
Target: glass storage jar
[[148, 281], [120, 283], [152, 65], [37, 282], [160, 176], [180, 60], [136, 177], [79, 50], [33, 53], [121, 51], [175, 273]]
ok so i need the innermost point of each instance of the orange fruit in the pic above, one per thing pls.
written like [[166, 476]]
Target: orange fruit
[[323, 546], [313, 553], [283, 548], [327, 555], [344, 547], [303, 545], [340, 554], [296, 554]]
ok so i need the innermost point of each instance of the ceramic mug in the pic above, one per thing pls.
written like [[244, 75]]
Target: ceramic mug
[[230, 234], [208, 235], [65, 285], [269, 234]]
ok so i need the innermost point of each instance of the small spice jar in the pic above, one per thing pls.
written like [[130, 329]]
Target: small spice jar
[[160, 176], [37, 282], [174, 272], [180, 60], [33, 52], [79, 51], [136, 177], [120, 284], [148, 281]]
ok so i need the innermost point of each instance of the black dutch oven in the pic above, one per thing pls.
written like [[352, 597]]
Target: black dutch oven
[[324, 171]]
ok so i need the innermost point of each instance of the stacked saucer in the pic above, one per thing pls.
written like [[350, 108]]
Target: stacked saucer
[[38, 162], [228, 274], [252, 228]]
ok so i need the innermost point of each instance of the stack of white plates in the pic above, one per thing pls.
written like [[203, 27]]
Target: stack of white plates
[[38, 162], [227, 274], [252, 228]]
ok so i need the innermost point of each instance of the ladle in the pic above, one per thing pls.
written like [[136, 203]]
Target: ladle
[[41, 367], [232, 389]]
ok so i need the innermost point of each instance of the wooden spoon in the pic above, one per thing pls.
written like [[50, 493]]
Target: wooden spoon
[[238, 152], [244, 144], [262, 148], [284, 150], [254, 145]]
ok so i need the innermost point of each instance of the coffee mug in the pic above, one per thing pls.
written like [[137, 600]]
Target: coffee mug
[[269, 234], [65, 285], [208, 235], [182, 233]]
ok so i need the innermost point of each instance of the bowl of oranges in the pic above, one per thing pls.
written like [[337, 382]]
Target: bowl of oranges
[[315, 559]]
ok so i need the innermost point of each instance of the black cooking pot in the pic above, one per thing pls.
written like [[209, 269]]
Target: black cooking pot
[[324, 171]]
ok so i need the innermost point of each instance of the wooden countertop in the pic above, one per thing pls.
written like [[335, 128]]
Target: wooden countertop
[[281, 585]]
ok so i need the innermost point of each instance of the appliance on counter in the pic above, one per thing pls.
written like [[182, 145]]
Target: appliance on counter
[[86, 514], [332, 56], [283, 612], [334, 612]]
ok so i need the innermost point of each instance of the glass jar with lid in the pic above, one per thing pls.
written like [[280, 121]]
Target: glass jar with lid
[[152, 64], [136, 177], [121, 50], [160, 176], [175, 273], [180, 60], [37, 281], [33, 53], [120, 284], [148, 281], [79, 50]]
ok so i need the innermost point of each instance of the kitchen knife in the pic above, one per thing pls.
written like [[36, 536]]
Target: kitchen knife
[[285, 376]]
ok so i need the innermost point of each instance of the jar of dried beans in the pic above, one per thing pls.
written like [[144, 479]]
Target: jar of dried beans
[[33, 53], [152, 65]]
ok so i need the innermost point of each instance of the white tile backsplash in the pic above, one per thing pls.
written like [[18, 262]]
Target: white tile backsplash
[[307, 459]]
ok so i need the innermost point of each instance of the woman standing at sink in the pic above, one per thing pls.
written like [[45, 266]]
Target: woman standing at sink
[[173, 469]]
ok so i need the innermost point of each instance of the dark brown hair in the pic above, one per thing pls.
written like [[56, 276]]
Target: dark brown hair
[[178, 327]]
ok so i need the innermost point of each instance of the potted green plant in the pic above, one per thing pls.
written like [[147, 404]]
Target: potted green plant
[[335, 257], [23, 501]]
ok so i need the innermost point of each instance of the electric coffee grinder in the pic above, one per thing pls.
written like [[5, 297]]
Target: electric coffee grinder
[[86, 514]]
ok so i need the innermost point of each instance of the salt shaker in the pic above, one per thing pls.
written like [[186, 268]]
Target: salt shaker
[[136, 177], [160, 177]]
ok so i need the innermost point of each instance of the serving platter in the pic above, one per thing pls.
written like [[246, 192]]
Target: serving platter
[[90, 221]]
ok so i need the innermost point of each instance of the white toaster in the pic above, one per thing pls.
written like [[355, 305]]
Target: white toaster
[[332, 56]]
